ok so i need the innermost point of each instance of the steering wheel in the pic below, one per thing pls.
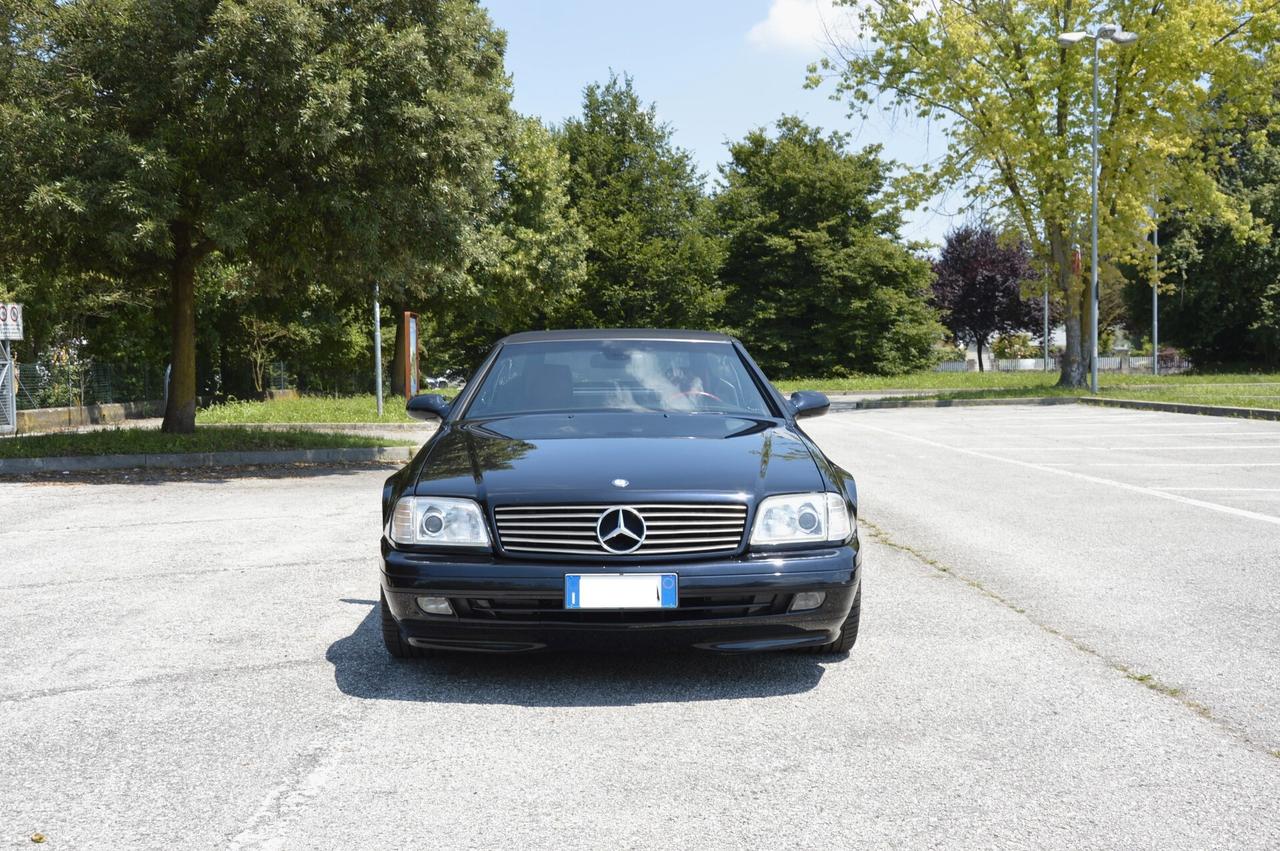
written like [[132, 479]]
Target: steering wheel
[[693, 394]]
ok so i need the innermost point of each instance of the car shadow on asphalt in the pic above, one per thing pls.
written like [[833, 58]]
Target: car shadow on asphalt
[[362, 668]]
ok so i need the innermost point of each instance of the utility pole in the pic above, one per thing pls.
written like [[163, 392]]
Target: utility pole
[[1046, 323], [1155, 302], [377, 344]]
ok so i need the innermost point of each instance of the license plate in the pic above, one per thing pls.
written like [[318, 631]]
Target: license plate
[[621, 591]]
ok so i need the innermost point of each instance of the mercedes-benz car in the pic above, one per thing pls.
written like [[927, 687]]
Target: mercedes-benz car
[[591, 489]]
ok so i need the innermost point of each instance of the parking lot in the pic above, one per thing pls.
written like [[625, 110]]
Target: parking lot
[[1070, 638]]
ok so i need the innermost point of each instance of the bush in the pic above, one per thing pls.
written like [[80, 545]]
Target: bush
[[1014, 346]]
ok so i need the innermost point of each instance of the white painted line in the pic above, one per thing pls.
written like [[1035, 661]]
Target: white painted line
[[1226, 490], [1080, 434], [1193, 447], [1172, 497], [1161, 464]]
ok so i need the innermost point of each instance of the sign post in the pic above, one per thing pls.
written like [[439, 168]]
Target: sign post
[[410, 337], [10, 329]]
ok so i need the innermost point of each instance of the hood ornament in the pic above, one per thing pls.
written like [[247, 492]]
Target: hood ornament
[[620, 483]]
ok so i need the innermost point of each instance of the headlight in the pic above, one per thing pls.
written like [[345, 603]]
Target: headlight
[[438, 520], [801, 517]]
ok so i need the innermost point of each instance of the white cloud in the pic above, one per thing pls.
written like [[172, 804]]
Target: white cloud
[[800, 25]]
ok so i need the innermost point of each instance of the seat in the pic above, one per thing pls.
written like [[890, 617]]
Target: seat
[[548, 386]]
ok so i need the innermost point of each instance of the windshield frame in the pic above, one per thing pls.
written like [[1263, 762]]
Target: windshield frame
[[772, 400]]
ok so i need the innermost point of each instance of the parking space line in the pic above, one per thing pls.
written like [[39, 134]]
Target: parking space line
[[1200, 447], [1079, 433], [1159, 494], [1161, 464], [1226, 490]]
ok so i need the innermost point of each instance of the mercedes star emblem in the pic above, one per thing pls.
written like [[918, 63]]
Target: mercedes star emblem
[[620, 530]]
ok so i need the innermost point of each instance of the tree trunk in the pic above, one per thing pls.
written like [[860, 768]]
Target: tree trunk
[[180, 410], [1072, 364], [978, 343]]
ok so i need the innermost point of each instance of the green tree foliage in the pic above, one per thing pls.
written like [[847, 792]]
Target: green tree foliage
[[1220, 287], [1015, 106], [530, 259], [820, 283], [640, 199], [336, 142]]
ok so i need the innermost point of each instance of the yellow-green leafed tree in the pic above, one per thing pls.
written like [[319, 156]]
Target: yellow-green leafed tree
[[1015, 106]]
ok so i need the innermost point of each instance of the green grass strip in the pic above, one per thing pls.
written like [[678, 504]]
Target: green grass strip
[[134, 441]]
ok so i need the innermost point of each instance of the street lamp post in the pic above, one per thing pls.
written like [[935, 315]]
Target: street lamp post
[[1112, 33], [1155, 300]]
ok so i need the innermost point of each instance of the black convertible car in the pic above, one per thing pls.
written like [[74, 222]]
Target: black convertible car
[[637, 487]]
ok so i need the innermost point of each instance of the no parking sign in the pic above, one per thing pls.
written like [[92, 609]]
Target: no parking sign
[[10, 321], [10, 329]]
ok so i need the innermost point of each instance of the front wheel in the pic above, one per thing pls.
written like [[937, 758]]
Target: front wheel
[[848, 630]]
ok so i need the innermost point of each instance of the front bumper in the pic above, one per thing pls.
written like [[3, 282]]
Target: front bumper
[[737, 604]]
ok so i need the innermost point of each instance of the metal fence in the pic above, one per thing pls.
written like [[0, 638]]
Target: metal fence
[[42, 385], [1169, 364]]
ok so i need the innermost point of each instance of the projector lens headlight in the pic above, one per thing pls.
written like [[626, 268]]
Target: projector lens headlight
[[800, 518], [445, 521]]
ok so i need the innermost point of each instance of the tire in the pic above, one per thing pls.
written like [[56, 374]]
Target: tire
[[848, 630], [393, 638]]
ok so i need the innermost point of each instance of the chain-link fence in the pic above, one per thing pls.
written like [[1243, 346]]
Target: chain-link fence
[[58, 385]]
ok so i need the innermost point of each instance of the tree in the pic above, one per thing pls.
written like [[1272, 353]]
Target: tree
[[819, 281], [1015, 108], [640, 200], [1220, 287], [530, 260], [339, 142], [978, 286], [262, 339]]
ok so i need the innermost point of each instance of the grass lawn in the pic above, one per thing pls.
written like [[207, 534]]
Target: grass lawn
[[308, 409], [1246, 390], [131, 441]]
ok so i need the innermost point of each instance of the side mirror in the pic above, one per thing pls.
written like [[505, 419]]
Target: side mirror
[[809, 403], [428, 406]]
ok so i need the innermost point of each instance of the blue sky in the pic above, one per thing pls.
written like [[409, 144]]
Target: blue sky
[[715, 68]]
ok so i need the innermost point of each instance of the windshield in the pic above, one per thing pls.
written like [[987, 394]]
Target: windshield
[[614, 375]]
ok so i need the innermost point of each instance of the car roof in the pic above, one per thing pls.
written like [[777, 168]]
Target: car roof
[[618, 334]]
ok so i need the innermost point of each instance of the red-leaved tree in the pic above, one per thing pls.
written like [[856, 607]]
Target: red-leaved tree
[[978, 287]]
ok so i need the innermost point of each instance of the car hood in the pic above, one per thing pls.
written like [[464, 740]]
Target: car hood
[[561, 457]]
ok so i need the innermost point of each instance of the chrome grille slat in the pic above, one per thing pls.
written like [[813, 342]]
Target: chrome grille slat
[[665, 522], [671, 528], [509, 539]]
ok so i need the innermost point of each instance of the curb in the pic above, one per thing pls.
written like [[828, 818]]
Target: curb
[[1183, 408], [77, 463], [869, 404]]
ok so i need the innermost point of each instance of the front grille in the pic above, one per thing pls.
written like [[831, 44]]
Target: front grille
[[670, 529], [539, 609]]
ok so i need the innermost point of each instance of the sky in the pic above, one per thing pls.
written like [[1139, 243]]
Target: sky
[[715, 69]]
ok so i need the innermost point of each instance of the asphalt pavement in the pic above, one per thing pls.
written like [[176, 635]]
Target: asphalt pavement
[[1053, 654]]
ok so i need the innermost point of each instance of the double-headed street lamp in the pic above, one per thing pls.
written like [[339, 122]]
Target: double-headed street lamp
[[1112, 33]]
